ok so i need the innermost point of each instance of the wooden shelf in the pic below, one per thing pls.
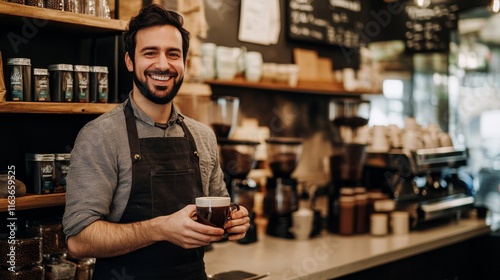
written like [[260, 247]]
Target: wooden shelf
[[11, 13], [312, 87], [33, 201], [55, 107]]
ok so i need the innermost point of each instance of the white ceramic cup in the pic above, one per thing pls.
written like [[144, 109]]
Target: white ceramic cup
[[400, 222], [379, 224], [302, 221]]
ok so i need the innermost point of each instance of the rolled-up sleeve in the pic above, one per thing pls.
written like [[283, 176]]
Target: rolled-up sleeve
[[93, 174]]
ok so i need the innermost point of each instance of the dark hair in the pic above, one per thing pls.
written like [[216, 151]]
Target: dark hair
[[154, 15]]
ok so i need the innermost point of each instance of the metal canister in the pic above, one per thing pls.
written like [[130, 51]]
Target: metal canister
[[40, 168], [62, 166], [61, 81], [41, 85], [81, 82], [99, 84], [20, 79]]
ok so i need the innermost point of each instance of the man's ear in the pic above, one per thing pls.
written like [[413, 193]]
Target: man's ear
[[129, 63]]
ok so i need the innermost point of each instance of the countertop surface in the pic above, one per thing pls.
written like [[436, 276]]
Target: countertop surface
[[329, 255]]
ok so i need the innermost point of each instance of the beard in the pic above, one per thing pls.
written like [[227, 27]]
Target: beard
[[150, 93]]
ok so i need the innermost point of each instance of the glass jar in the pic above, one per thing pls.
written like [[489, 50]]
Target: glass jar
[[36, 3], [36, 272], [51, 232], [27, 250], [72, 6], [55, 4]]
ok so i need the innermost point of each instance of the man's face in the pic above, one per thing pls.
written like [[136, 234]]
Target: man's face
[[158, 67]]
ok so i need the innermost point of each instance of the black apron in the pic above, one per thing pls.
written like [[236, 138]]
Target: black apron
[[165, 178]]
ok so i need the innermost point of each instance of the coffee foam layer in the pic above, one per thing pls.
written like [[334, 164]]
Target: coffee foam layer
[[212, 201]]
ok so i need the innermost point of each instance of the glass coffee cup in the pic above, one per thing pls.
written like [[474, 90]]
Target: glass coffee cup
[[214, 211]]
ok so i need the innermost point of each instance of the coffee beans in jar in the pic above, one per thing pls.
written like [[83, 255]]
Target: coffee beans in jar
[[99, 84], [16, 1], [27, 250], [61, 81], [55, 4], [36, 272], [41, 88], [20, 79], [36, 3], [51, 232], [81, 83]]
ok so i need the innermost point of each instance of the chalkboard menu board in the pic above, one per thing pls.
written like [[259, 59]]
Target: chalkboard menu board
[[331, 22], [428, 29]]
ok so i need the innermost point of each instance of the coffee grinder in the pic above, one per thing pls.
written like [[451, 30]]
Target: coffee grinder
[[281, 200], [349, 150], [237, 159], [224, 115]]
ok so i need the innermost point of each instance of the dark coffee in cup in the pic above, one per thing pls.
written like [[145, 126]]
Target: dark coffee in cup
[[214, 211]]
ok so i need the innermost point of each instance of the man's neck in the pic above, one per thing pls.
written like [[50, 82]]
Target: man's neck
[[160, 113]]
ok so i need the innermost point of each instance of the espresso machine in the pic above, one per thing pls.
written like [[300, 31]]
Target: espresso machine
[[347, 116], [424, 182], [237, 158], [281, 199]]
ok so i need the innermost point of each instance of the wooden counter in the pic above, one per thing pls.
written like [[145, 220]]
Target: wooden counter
[[329, 256]]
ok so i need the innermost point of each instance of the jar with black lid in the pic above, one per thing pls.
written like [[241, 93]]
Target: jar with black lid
[[61, 81], [81, 82], [20, 79], [99, 84], [41, 88]]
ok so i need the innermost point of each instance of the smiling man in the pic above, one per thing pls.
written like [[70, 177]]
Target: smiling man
[[136, 170]]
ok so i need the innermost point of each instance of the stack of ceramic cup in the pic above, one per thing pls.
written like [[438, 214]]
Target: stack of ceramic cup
[[208, 60], [229, 62], [253, 66]]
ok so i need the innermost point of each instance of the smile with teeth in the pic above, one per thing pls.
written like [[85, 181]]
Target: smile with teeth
[[160, 77]]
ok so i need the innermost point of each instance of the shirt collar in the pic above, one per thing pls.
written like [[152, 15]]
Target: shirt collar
[[175, 116]]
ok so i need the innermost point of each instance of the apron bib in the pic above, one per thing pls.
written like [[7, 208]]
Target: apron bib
[[165, 178]]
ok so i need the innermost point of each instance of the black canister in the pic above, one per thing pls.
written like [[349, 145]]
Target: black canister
[[61, 81], [40, 168], [81, 82], [41, 85], [62, 166], [99, 84], [20, 79]]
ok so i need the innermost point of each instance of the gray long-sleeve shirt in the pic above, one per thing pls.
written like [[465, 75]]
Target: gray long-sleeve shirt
[[100, 174]]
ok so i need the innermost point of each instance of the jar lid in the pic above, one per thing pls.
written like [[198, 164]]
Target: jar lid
[[40, 71], [384, 205], [346, 191], [19, 61], [40, 157], [62, 156], [347, 198], [61, 67], [81, 68], [99, 69], [359, 189]]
